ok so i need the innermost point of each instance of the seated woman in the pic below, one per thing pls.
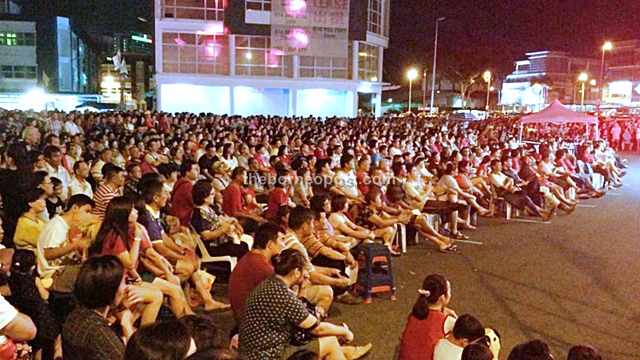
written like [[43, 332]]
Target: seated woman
[[430, 319], [120, 235], [30, 224], [321, 205], [212, 228], [454, 193], [372, 217], [341, 222], [396, 195], [474, 185]]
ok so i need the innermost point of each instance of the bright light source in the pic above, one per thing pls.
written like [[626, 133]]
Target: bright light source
[[583, 77], [491, 88], [374, 78], [487, 76], [248, 56], [593, 82], [390, 100], [412, 74], [109, 79], [607, 46]]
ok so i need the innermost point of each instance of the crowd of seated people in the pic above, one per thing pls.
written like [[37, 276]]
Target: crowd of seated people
[[106, 214]]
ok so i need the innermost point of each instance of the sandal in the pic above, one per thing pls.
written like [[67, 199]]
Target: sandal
[[449, 249], [460, 236]]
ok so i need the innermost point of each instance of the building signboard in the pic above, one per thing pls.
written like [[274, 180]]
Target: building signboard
[[310, 27]]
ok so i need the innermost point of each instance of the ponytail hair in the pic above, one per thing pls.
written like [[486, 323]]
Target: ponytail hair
[[433, 287]]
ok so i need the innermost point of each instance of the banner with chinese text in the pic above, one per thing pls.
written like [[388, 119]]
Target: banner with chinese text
[[310, 27]]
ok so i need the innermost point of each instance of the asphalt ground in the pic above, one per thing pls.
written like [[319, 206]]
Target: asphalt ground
[[573, 280]]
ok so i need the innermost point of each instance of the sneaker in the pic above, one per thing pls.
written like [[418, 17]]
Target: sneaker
[[348, 299]]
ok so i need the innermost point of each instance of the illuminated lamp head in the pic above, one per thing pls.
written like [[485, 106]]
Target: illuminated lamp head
[[295, 7], [298, 38]]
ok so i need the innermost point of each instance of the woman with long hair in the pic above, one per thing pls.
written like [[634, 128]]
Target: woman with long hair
[[120, 235], [429, 321]]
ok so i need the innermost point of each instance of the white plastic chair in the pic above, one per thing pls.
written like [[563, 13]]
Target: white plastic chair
[[206, 258]]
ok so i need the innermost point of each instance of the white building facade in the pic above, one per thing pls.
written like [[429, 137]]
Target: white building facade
[[223, 56]]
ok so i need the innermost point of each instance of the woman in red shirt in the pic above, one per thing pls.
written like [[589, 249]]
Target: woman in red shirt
[[122, 236], [280, 195], [429, 320]]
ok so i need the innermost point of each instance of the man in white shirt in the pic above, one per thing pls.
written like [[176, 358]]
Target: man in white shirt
[[96, 171], [53, 156], [70, 127], [467, 330], [59, 250], [79, 183]]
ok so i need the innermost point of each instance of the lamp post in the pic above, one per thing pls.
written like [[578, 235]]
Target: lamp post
[[412, 74], [607, 46], [435, 62], [487, 78], [583, 78]]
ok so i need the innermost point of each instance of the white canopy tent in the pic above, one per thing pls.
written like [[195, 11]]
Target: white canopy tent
[[557, 113]]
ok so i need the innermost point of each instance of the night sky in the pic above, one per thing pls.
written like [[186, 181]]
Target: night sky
[[477, 34], [481, 34]]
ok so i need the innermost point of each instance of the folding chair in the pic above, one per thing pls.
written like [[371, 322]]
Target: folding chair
[[206, 258]]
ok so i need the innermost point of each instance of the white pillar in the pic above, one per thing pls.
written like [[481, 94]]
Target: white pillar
[[293, 102], [354, 61], [232, 55], [232, 101]]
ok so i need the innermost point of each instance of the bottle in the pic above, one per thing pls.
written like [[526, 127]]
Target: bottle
[[8, 349]]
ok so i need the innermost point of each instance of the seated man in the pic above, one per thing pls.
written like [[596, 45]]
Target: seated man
[[299, 236], [254, 267], [505, 187], [61, 244], [273, 313]]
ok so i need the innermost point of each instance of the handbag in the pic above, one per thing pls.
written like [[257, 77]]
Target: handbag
[[300, 336]]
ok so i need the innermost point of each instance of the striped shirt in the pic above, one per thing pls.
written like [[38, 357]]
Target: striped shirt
[[291, 241], [102, 197]]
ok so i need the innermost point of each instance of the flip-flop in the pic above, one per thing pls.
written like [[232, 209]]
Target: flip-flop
[[449, 249]]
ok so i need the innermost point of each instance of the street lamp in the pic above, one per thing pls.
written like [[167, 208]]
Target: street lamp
[[583, 78], [412, 74], [435, 62], [487, 78], [608, 46]]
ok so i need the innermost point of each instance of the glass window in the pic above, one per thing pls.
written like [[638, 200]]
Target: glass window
[[190, 53], [260, 5], [367, 62], [17, 39], [254, 57], [323, 67], [376, 8], [212, 10]]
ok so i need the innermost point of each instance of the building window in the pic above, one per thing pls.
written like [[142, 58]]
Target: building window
[[367, 62], [189, 53], [323, 67], [254, 57], [211, 10], [376, 8], [18, 72], [260, 5], [17, 39]]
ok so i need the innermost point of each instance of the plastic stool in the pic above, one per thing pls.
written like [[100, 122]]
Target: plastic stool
[[376, 272]]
